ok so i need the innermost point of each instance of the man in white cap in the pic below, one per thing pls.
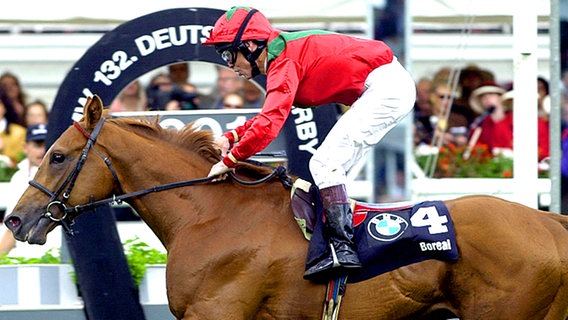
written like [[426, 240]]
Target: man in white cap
[[34, 148]]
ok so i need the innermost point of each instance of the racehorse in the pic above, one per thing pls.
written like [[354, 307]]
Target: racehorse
[[235, 251]]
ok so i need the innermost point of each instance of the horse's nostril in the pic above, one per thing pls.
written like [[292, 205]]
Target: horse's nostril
[[14, 222]]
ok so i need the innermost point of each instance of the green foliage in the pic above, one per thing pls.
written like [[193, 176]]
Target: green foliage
[[48, 258], [6, 172], [138, 255]]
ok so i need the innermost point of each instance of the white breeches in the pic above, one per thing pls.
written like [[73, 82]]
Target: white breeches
[[388, 96]]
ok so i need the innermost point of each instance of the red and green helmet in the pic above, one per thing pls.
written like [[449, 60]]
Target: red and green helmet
[[239, 24], [236, 25]]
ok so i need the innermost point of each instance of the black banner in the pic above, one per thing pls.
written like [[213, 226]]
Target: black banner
[[305, 130]]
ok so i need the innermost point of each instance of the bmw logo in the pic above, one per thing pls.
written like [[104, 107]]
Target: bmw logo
[[386, 227]]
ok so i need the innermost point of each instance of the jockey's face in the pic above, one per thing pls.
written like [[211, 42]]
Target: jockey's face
[[242, 67]]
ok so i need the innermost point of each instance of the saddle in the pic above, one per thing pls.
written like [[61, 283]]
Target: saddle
[[388, 236]]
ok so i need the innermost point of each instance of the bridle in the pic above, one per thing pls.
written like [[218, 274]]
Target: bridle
[[59, 198]]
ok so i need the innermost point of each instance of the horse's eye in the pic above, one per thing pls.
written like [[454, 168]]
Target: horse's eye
[[57, 158]]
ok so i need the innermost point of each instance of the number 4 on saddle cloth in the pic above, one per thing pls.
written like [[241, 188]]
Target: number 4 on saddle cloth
[[388, 236]]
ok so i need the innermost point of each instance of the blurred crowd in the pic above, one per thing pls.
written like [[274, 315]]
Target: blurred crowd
[[17, 113], [469, 108], [172, 90]]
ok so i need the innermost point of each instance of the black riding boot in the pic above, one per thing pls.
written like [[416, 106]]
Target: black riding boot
[[341, 258]]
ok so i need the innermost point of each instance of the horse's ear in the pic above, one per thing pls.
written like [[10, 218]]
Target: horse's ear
[[93, 111]]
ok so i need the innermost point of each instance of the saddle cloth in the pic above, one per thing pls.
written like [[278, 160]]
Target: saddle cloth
[[388, 236]]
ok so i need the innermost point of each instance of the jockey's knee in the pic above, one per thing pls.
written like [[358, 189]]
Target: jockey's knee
[[325, 173]]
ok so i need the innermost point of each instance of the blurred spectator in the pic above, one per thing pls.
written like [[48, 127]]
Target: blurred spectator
[[131, 98], [543, 90], [12, 134], [471, 77], [442, 75], [16, 94], [253, 95], [36, 113], [422, 113], [564, 169], [227, 82], [233, 101], [182, 97], [543, 127], [564, 109], [564, 81], [496, 130], [158, 91], [450, 125], [162, 90], [179, 74], [34, 150]]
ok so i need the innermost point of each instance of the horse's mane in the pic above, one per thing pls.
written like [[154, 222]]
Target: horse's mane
[[189, 138]]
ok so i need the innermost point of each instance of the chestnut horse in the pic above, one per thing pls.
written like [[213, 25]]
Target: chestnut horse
[[235, 251]]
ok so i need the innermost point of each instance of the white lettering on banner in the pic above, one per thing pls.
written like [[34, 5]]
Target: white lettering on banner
[[306, 129], [445, 245], [206, 123], [304, 115], [78, 111], [211, 123], [172, 123], [159, 39], [310, 146], [239, 121], [166, 37], [112, 69]]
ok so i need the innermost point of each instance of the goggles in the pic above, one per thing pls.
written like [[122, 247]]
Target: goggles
[[229, 52], [229, 56]]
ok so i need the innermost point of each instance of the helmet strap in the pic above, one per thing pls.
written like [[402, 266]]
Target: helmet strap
[[239, 45], [252, 56], [237, 40]]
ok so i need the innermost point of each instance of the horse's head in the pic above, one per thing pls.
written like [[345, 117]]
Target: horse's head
[[72, 172]]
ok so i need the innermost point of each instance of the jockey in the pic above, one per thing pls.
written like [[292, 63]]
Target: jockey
[[309, 69]]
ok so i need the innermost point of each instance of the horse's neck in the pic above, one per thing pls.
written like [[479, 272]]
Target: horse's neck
[[196, 208], [201, 212], [150, 166]]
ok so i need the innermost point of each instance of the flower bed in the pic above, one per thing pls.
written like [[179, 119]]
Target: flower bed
[[451, 162]]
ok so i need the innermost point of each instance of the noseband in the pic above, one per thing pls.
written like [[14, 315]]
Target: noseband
[[59, 198]]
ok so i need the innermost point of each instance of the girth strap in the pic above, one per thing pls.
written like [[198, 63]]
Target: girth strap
[[333, 295]]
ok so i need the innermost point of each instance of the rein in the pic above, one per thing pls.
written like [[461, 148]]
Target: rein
[[280, 172], [65, 221]]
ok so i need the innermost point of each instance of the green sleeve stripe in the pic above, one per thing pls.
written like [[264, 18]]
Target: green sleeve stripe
[[276, 46]]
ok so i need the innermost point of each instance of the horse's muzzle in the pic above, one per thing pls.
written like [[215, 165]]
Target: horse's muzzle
[[13, 223]]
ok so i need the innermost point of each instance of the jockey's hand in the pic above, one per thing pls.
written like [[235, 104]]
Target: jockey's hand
[[222, 143], [219, 170]]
